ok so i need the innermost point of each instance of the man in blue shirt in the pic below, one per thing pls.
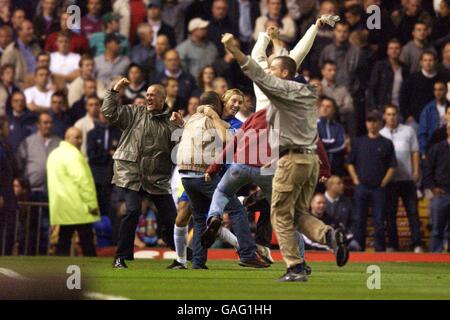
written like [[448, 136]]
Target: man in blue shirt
[[371, 165]]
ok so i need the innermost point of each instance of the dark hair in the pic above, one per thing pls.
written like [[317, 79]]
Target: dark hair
[[373, 115], [201, 84], [41, 68], [441, 82], [447, 107], [325, 62], [165, 81], [419, 22], [213, 99], [355, 10], [343, 23], [428, 52], [288, 64], [6, 66], [85, 57], [394, 40], [322, 98], [135, 65]]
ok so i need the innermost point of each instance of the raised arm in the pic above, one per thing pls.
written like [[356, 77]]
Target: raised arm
[[117, 115]]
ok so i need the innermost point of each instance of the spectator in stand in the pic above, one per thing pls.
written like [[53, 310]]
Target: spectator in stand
[[387, 78], [58, 112], [433, 115], [102, 142], [155, 64], [417, 89], [17, 17], [196, 51], [340, 95], [43, 59], [8, 204], [111, 63], [7, 88], [354, 17], [441, 133], [332, 135], [72, 197], [411, 52], [64, 64], [219, 24], [444, 66], [22, 122], [442, 21], [31, 159], [133, 13], [159, 27], [173, 14], [403, 183], [111, 26], [338, 207], [91, 22], [405, 18], [87, 123], [21, 54], [143, 51], [351, 68], [6, 37], [371, 165], [173, 69], [205, 80], [76, 87], [173, 100], [77, 42], [288, 28], [138, 85], [46, 20], [437, 178], [39, 96], [139, 100], [220, 85]]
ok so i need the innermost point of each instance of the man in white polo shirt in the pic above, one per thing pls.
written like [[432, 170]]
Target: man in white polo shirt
[[403, 184], [63, 63], [39, 96]]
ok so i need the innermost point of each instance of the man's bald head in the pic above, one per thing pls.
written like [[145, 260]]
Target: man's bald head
[[156, 96], [335, 186], [74, 137]]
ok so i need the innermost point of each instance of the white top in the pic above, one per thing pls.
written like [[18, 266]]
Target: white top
[[398, 79], [441, 110], [42, 99], [405, 143], [64, 64], [85, 124]]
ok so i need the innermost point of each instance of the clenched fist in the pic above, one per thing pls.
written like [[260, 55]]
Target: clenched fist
[[122, 83]]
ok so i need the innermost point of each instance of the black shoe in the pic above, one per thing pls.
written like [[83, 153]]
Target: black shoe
[[339, 246], [188, 254], [200, 267], [254, 263], [308, 269], [209, 236], [119, 263], [177, 265], [292, 276]]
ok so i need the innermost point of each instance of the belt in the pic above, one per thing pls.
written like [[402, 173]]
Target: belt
[[298, 150]]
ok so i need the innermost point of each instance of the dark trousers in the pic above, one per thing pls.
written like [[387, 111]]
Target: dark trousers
[[85, 234], [133, 200], [37, 226], [363, 195], [440, 210], [104, 198], [263, 235], [200, 194], [406, 190], [7, 228]]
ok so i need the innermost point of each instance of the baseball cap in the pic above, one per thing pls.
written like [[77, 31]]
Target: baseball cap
[[197, 23], [113, 37], [154, 3], [110, 16]]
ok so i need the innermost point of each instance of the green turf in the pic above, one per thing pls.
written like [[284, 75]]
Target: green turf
[[148, 279]]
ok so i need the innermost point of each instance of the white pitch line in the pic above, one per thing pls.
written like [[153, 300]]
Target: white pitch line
[[90, 295]]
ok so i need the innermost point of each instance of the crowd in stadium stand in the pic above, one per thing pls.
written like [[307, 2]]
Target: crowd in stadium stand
[[384, 110]]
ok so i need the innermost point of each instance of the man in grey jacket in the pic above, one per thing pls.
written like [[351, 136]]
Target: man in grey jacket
[[292, 120], [142, 162]]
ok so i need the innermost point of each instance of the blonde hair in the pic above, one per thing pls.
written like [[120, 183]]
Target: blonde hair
[[231, 92]]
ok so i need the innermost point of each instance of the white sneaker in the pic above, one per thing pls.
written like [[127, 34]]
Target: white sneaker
[[264, 253], [418, 249]]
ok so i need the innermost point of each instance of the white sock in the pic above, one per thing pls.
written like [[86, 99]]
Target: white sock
[[180, 235], [227, 236]]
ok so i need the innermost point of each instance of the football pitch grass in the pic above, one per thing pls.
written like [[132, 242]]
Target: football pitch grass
[[225, 280]]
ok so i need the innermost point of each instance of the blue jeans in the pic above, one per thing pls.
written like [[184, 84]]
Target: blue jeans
[[200, 194], [407, 191], [440, 210], [237, 176], [363, 194]]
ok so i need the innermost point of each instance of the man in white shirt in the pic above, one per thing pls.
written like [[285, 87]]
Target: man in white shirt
[[39, 96], [403, 184], [87, 123], [63, 63]]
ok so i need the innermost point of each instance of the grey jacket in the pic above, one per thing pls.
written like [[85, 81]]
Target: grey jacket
[[32, 159], [292, 111], [143, 156]]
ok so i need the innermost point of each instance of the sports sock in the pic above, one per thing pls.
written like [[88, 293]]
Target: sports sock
[[180, 235], [228, 237]]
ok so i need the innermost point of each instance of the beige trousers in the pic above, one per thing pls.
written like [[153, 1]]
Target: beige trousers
[[293, 187]]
